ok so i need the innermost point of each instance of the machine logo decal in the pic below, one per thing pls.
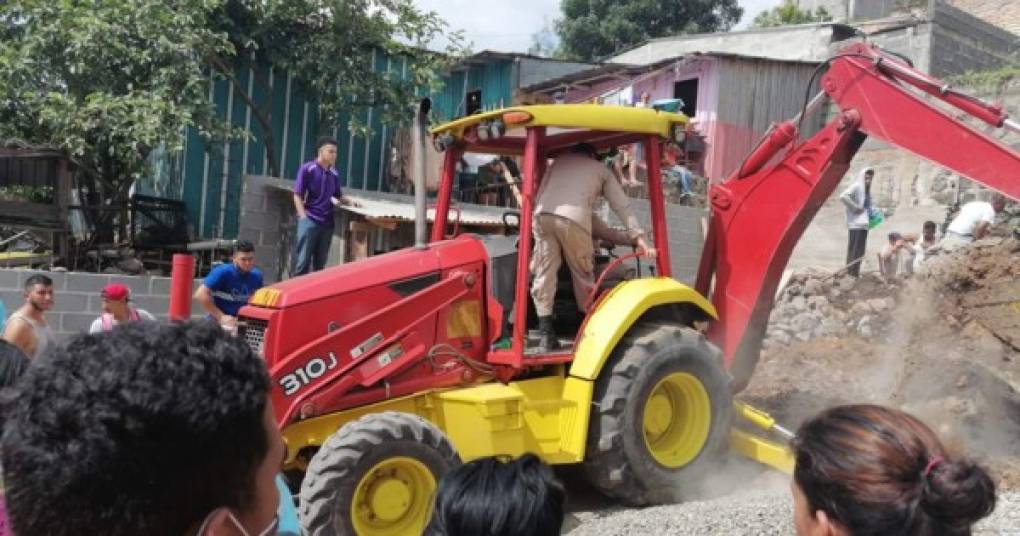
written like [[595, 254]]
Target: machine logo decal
[[314, 368], [366, 346]]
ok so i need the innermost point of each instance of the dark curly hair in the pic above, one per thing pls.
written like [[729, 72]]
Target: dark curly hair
[[494, 497], [875, 470], [142, 430]]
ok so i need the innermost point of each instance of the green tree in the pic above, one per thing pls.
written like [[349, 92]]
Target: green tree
[[789, 13], [109, 81], [592, 29], [327, 46]]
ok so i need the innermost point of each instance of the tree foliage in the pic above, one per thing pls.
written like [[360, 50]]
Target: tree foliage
[[592, 29], [789, 13], [107, 81], [110, 81], [328, 47]]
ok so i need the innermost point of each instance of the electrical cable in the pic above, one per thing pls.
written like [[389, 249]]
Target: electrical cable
[[447, 350]]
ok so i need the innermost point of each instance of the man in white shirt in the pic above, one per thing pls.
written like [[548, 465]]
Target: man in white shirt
[[117, 310], [857, 200], [973, 222]]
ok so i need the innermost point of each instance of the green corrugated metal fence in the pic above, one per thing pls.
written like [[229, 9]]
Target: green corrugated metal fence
[[208, 177]]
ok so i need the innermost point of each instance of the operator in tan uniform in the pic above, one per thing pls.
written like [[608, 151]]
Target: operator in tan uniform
[[563, 229]]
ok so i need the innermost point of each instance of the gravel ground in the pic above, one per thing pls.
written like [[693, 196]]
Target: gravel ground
[[741, 513]]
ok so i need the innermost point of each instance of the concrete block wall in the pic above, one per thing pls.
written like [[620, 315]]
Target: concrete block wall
[[268, 221], [264, 223], [911, 41], [963, 43], [77, 296]]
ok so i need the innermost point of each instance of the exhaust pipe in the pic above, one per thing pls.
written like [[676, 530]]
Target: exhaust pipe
[[418, 137]]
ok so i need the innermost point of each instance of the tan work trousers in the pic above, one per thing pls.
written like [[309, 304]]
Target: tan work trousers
[[558, 239]]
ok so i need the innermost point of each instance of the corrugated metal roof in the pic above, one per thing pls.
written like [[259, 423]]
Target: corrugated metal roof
[[384, 205], [372, 206], [626, 72]]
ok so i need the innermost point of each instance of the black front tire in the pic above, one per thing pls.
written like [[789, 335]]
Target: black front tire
[[330, 487], [620, 461]]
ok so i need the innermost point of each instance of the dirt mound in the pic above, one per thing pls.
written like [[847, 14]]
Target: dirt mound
[[942, 345]]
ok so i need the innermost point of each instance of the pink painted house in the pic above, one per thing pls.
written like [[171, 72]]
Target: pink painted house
[[732, 99]]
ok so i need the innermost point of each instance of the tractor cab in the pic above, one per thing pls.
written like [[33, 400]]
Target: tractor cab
[[536, 135]]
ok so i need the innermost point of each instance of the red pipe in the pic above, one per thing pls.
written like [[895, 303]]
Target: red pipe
[[180, 287], [532, 165], [657, 202], [780, 137], [450, 159]]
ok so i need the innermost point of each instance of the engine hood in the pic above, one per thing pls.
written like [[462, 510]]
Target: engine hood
[[373, 271]]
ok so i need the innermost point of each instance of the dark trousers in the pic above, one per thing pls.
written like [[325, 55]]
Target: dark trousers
[[311, 249], [855, 251]]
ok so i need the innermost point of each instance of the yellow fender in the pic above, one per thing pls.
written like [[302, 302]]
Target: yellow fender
[[617, 313]]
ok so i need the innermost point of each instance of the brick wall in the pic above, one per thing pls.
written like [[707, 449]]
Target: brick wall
[[77, 296]]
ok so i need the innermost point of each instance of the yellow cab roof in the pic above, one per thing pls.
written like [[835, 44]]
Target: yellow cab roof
[[572, 117]]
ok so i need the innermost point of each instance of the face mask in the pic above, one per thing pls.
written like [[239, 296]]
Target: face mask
[[270, 529]]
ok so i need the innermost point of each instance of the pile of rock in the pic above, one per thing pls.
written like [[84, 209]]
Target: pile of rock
[[815, 304]]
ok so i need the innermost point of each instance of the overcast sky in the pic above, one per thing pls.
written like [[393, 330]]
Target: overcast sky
[[507, 25]]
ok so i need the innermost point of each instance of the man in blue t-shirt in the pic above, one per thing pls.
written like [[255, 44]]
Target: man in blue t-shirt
[[227, 287], [316, 191]]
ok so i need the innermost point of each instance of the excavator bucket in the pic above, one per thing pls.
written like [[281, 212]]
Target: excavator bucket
[[767, 443]]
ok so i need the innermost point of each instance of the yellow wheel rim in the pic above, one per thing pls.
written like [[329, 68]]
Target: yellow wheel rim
[[677, 418], [393, 498]]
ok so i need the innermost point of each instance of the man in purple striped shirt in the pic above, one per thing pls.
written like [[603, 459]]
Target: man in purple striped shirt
[[316, 191]]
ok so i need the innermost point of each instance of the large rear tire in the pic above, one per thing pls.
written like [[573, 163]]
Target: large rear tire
[[661, 416], [376, 476]]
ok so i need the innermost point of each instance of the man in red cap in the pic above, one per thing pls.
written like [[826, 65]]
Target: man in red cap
[[116, 309]]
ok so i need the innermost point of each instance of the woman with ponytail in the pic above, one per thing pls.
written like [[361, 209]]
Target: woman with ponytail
[[867, 470]]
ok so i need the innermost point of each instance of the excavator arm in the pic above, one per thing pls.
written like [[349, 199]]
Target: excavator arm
[[759, 214]]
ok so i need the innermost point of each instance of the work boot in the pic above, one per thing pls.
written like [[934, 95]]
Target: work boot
[[547, 341]]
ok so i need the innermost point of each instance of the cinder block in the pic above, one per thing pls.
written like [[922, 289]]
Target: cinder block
[[159, 286], [252, 235], [264, 255], [262, 221], [160, 305], [12, 299], [253, 202], [271, 238], [153, 304], [76, 322], [95, 304], [72, 302], [10, 279], [86, 282]]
